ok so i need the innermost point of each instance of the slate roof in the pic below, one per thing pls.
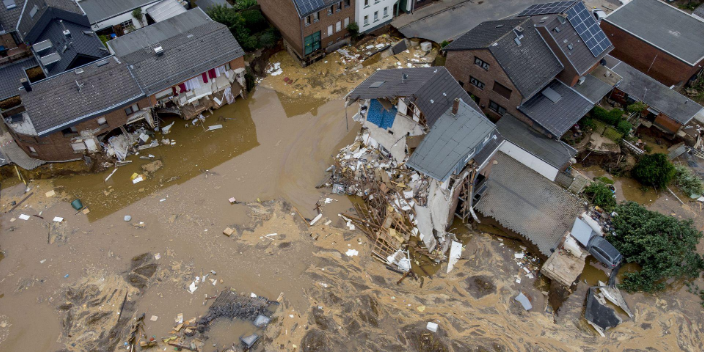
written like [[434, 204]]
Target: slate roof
[[551, 151], [424, 86], [530, 65], [165, 9], [9, 18], [80, 47], [523, 201], [569, 42], [450, 141], [100, 10], [663, 26], [557, 117], [192, 44], [10, 75], [30, 26], [307, 7], [56, 103], [658, 96]]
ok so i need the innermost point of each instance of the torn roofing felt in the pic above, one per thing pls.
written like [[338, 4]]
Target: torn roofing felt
[[527, 203], [432, 89], [452, 141]]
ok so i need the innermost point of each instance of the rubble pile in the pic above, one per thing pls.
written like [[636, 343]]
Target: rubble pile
[[391, 193], [370, 52]]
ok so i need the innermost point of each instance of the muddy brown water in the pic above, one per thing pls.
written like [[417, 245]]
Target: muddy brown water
[[332, 301]]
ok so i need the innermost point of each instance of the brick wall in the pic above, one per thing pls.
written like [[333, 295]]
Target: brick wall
[[330, 20], [461, 66], [283, 15], [647, 58], [57, 147], [569, 75]]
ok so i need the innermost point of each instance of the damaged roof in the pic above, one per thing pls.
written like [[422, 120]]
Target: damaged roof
[[551, 151], [74, 96], [557, 108], [527, 203], [663, 26], [192, 43], [528, 62], [451, 142], [656, 95], [432, 89]]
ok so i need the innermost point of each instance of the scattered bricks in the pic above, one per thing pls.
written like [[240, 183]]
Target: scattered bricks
[[228, 231]]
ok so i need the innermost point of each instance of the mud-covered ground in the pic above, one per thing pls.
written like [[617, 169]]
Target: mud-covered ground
[[77, 285]]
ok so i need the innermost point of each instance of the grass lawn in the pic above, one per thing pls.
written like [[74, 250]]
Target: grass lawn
[[607, 131]]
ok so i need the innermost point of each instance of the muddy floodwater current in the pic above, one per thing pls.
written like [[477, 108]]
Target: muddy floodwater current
[[78, 284]]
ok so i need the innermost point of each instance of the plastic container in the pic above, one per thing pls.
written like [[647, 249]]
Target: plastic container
[[76, 204]]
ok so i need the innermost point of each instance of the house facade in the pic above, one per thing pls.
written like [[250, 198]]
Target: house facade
[[311, 29], [537, 66], [78, 112], [374, 14], [657, 39]]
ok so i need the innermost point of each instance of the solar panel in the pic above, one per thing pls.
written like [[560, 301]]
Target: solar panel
[[306, 7], [588, 29], [547, 9]]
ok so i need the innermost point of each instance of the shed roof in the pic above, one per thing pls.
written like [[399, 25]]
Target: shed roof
[[192, 43], [523, 201], [529, 62], [556, 115], [100, 10], [11, 74], [165, 9], [68, 98], [663, 26], [432, 89], [450, 141], [656, 95], [551, 151]]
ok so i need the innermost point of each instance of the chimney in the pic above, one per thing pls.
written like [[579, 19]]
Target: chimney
[[25, 84], [455, 106], [159, 51]]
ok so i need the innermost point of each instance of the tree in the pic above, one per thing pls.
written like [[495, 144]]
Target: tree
[[654, 170], [353, 29], [600, 194], [236, 23], [638, 106], [663, 246], [137, 14], [687, 181]]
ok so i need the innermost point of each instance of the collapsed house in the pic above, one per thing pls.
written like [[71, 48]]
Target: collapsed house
[[424, 151], [185, 65]]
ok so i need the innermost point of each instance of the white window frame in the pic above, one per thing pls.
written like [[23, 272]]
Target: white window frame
[[330, 32], [338, 26], [366, 20], [347, 21]]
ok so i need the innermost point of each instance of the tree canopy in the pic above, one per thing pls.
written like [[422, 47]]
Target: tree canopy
[[663, 246], [600, 194], [654, 170]]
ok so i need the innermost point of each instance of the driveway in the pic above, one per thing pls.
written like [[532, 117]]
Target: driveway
[[447, 21]]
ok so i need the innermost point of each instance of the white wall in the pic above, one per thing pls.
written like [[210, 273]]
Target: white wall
[[122, 18], [529, 160], [374, 6]]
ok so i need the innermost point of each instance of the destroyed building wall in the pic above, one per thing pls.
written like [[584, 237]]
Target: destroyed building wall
[[60, 146]]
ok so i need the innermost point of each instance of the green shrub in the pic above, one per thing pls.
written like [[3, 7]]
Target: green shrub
[[636, 107], [600, 194], [624, 126], [688, 181], [353, 29], [236, 23], [663, 246], [611, 117], [604, 179], [654, 170], [612, 134], [254, 20], [587, 124], [244, 4], [648, 148], [444, 43]]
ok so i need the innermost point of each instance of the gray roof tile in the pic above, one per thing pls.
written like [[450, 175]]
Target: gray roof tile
[[530, 65], [593, 88], [56, 103], [99, 10], [642, 87], [450, 141], [30, 26], [80, 47], [551, 151], [191, 37], [663, 26], [10, 75], [9, 18], [529, 204], [432, 89], [165, 9], [557, 117]]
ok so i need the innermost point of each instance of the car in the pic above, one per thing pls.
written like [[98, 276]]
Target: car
[[604, 252]]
